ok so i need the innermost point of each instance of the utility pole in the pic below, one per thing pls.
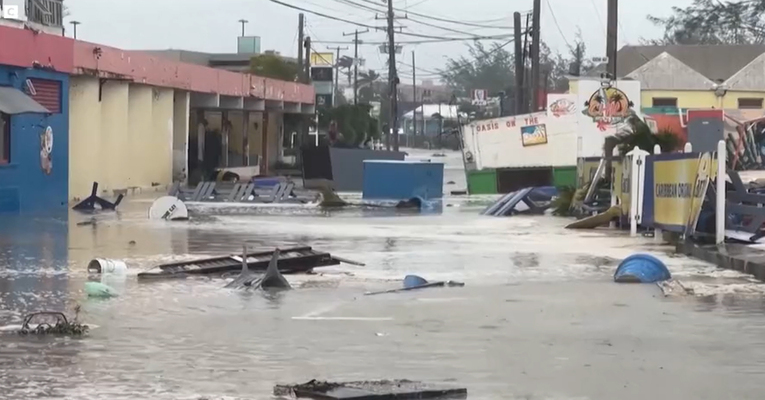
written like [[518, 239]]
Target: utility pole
[[535, 55], [301, 24], [414, 95], [307, 59], [243, 22], [356, 43], [519, 65], [74, 24], [611, 36], [337, 71], [392, 77]]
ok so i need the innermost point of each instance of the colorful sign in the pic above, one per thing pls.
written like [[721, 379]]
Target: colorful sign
[[533, 135], [322, 59], [607, 107], [705, 172], [559, 105], [679, 186]]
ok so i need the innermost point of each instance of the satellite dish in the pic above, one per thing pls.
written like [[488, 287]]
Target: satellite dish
[[168, 208]]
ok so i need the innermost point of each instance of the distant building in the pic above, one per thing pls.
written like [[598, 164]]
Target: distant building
[[695, 76]]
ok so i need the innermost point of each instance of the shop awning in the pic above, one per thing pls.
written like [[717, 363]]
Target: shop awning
[[14, 101]]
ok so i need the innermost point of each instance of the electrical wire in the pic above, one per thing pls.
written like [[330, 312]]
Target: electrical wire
[[555, 20], [441, 40], [368, 8], [357, 23], [451, 21]]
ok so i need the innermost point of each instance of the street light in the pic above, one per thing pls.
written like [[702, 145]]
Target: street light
[[74, 24], [243, 22]]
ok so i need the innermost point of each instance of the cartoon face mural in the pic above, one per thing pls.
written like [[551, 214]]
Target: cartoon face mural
[[609, 106], [46, 149]]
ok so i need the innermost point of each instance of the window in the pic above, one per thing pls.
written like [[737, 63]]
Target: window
[[5, 138], [48, 93], [753, 103], [665, 101]]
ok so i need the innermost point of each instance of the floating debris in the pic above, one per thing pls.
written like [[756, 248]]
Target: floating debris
[[414, 282], [379, 390], [62, 326], [272, 279], [98, 289], [293, 260], [641, 268]]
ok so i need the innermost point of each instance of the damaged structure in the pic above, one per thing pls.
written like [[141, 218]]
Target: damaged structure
[[126, 119]]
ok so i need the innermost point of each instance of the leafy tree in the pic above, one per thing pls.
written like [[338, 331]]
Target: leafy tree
[[491, 69], [494, 69], [714, 22], [640, 135], [273, 66], [353, 122]]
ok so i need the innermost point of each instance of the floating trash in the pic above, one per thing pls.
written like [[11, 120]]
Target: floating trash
[[98, 289], [62, 326]]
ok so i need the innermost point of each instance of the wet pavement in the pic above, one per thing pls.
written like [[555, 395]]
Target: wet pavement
[[539, 317]]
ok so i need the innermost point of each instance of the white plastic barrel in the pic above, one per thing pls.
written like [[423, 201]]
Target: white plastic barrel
[[168, 208], [107, 266]]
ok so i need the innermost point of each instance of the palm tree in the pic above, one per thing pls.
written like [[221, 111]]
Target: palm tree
[[639, 135]]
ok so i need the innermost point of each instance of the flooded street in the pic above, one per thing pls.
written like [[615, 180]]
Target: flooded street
[[539, 317]]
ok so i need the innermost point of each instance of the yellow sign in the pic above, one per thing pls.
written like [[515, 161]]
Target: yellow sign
[[706, 172], [675, 187], [626, 185], [322, 59]]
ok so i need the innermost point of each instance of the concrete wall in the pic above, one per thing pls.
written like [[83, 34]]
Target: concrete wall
[[24, 186], [180, 133], [123, 136]]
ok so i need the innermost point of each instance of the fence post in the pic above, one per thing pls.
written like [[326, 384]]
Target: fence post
[[657, 233], [634, 176], [720, 215], [614, 200], [688, 148]]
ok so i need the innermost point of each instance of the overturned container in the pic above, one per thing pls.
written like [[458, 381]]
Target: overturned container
[[106, 266]]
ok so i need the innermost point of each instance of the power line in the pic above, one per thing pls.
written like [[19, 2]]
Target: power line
[[369, 8], [353, 23], [440, 40], [555, 20], [451, 21]]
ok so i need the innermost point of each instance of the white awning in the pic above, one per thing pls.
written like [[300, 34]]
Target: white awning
[[14, 101]]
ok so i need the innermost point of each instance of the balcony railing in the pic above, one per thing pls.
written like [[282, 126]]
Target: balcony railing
[[46, 12]]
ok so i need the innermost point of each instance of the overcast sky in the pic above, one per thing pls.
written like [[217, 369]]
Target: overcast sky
[[211, 25]]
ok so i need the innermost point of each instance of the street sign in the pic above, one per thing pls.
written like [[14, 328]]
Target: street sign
[[323, 100], [384, 48], [600, 60], [322, 74], [322, 59], [480, 96]]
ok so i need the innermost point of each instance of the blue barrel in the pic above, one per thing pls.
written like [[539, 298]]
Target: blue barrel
[[414, 280], [641, 268]]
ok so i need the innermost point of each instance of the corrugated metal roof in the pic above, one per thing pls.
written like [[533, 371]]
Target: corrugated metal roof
[[716, 62]]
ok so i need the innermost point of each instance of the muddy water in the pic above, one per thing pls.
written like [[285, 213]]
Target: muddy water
[[538, 319]]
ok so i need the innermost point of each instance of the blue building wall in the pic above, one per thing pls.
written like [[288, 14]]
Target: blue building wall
[[24, 186]]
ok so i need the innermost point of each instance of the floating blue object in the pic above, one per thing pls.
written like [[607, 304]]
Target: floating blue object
[[641, 268], [414, 280]]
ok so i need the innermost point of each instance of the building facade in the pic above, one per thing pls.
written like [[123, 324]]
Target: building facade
[[34, 151], [125, 119]]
